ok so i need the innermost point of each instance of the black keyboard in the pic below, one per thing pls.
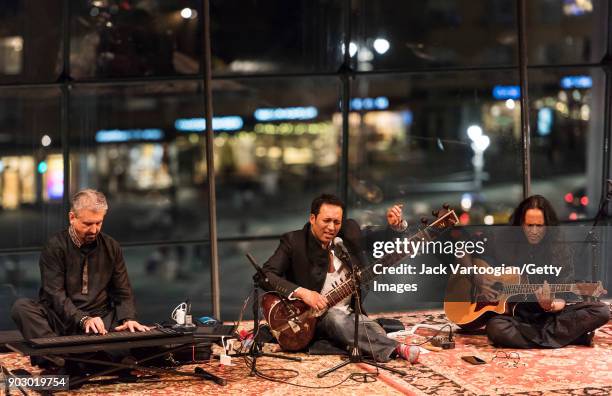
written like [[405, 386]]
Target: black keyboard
[[108, 337]]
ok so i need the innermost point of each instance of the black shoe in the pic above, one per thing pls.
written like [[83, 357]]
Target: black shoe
[[54, 370], [586, 339]]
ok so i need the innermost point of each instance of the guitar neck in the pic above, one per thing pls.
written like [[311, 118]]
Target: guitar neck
[[340, 292], [531, 288]]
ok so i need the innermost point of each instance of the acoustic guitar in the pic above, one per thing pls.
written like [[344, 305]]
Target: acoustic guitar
[[293, 322], [465, 306]]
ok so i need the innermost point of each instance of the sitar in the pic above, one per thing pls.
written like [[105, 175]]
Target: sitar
[[293, 322], [465, 305]]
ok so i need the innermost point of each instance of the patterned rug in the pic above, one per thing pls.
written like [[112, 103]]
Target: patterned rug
[[573, 370], [568, 371]]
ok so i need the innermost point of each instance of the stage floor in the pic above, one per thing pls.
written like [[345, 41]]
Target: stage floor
[[574, 370]]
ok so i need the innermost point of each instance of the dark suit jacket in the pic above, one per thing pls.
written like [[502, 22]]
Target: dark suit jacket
[[300, 261]]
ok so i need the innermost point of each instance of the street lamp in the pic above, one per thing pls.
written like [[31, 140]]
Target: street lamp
[[480, 142]]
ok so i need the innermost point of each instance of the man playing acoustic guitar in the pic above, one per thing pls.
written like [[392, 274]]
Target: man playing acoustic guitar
[[547, 322], [306, 266]]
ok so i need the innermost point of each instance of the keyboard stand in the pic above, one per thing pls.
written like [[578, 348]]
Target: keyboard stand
[[63, 352]]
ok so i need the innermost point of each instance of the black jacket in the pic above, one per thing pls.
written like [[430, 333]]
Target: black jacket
[[61, 269], [301, 261]]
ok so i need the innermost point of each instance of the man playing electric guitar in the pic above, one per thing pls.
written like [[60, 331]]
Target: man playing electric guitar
[[547, 321], [306, 265]]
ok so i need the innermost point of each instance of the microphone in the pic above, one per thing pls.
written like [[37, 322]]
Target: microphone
[[344, 254], [260, 277]]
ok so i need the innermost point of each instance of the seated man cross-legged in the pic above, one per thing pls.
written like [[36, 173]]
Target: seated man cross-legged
[[84, 281], [304, 266], [546, 321]]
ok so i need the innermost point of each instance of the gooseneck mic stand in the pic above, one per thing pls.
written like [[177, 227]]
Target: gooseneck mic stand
[[355, 355], [260, 280]]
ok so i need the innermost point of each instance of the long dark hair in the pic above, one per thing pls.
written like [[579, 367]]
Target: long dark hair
[[534, 202]]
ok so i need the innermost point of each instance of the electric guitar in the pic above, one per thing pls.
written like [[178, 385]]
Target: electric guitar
[[293, 322], [465, 306]]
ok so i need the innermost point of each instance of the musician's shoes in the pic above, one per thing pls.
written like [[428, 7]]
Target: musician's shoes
[[586, 339], [53, 370], [408, 352], [47, 361]]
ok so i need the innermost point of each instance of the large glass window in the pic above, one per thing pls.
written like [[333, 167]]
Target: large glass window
[[124, 142], [31, 166], [567, 32], [393, 34], [112, 38], [282, 151], [163, 276], [19, 277], [426, 139], [30, 41], [567, 134], [237, 273], [251, 37], [434, 117]]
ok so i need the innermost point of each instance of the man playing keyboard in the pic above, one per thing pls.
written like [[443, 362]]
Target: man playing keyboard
[[85, 286]]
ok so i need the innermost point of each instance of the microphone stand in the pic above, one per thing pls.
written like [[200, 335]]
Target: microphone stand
[[260, 280], [355, 355], [591, 238]]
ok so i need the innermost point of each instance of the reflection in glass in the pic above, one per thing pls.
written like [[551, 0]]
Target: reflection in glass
[[164, 276], [30, 41], [567, 32], [111, 38], [392, 34], [566, 138], [251, 37], [237, 273], [436, 140], [31, 166], [124, 142], [285, 153]]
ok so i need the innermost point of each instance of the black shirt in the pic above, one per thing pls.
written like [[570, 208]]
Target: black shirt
[[106, 282]]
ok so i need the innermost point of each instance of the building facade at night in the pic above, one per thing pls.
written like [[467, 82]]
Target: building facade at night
[[422, 107]]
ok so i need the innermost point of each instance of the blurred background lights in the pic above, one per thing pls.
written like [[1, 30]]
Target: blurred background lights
[[186, 13], [473, 132], [352, 49], [466, 201], [381, 45], [45, 141]]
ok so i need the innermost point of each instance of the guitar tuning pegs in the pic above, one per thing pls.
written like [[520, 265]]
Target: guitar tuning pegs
[[446, 206], [424, 220]]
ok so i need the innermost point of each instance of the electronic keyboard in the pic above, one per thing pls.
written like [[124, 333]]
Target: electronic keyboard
[[116, 336]]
